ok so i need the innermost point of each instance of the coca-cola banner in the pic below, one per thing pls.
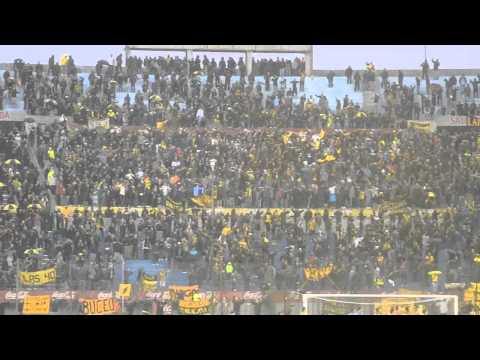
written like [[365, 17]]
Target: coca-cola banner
[[239, 295], [9, 296]]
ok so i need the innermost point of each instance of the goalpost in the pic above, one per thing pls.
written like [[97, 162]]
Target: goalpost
[[380, 304]]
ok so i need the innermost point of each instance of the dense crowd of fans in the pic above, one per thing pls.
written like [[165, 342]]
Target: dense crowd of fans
[[246, 146], [204, 94], [304, 169], [333, 169]]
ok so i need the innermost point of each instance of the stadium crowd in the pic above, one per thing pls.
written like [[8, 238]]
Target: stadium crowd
[[334, 169], [302, 179], [247, 251], [217, 101], [304, 169]]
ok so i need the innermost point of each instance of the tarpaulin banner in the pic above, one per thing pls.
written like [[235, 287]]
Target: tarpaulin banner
[[457, 121], [93, 124], [68, 211], [420, 125], [174, 205], [99, 306], [471, 295], [38, 277], [395, 306], [36, 305], [178, 292], [317, 273], [192, 307], [474, 121], [203, 200]]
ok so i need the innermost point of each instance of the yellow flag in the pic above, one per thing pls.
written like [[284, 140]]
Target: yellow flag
[[327, 158], [329, 121], [125, 290], [286, 137], [161, 125], [149, 285], [226, 231], [65, 59], [203, 201]]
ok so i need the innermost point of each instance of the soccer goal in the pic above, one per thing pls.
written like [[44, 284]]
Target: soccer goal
[[380, 304]]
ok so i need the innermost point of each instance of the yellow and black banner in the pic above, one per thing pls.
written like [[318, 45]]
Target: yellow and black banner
[[38, 277], [149, 283], [203, 200], [472, 294], [473, 121], [174, 205], [179, 292], [395, 306], [420, 125], [192, 307], [99, 306], [317, 273]]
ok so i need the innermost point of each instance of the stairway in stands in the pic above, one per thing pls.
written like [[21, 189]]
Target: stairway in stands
[[33, 155]]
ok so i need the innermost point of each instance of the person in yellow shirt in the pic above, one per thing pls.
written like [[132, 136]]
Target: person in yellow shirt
[[268, 221], [312, 225], [434, 275], [51, 153], [196, 297]]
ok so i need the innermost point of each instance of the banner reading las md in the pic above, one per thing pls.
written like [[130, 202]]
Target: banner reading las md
[[38, 277]]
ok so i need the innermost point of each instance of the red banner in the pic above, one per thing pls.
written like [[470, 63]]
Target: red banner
[[240, 295]]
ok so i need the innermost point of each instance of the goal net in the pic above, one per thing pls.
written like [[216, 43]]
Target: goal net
[[380, 304]]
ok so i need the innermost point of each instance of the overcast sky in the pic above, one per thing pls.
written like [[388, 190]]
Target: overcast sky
[[325, 56]]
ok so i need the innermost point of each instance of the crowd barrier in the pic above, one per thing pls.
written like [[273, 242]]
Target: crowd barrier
[[179, 298]]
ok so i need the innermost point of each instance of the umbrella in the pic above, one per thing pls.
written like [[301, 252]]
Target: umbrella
[[10, 207], [9, 161], [34, 206], [35, 251], [50, 101]]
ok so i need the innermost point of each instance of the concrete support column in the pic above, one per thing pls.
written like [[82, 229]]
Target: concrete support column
[[189, 85], [248, 61], [308, 63], [127, 54]]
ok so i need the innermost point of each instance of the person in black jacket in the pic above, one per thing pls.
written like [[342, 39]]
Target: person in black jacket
[[348, 74], [425, 68], [330, 77], [400, 78], [222, 66], [242, 69], [357, 78]]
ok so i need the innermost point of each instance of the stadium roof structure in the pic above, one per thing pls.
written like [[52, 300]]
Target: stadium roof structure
[[306, 50]]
